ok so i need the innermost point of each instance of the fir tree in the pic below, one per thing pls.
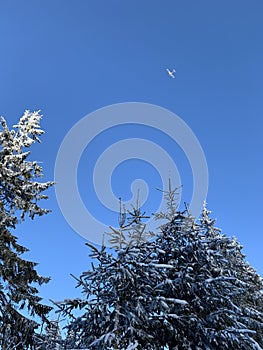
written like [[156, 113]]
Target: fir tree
[[20, 193], [117, 297], [51, 339], [189, 287], [222, 293]]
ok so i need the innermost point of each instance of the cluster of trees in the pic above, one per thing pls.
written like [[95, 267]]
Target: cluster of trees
[[187, 286]]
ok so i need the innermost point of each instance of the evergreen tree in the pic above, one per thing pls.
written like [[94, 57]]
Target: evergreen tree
[[51, 339], [20, 193], [117, 293], [189, 287], [222, 293]]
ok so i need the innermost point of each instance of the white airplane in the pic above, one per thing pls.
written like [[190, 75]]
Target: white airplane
[[171, 73]]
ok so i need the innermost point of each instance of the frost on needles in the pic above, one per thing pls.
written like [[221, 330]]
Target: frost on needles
[[187, 288], [20, 192]]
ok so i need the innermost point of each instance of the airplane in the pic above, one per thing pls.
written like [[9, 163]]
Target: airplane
[[171, 73]]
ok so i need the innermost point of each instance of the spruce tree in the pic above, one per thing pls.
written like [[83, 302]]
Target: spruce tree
[[187, 288], [222, 293], [20, 193], [117, 294], [51, 339]]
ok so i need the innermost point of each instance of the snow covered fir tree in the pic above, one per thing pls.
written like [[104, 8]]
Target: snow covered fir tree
[[51, 339], [189, 287], [20, 192]]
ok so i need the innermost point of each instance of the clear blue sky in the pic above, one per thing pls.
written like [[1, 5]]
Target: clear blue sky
[[70, 58]]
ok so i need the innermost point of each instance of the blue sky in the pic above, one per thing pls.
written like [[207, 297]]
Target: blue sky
[[70, 58]]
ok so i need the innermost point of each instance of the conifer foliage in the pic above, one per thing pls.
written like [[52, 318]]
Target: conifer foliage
[[51, 339], [20, 193], [222, 292], [116, 293], [187, 288]]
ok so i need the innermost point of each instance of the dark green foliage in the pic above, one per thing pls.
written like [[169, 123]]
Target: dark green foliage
[[188, 288], [19, 196], [51, 339], [222, 292]]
